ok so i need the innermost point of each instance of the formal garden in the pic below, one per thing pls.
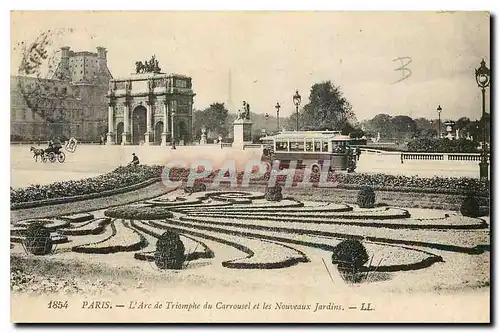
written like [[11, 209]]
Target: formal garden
[[260, 227]]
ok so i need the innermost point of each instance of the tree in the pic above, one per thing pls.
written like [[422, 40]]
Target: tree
[[327, 108], [46, 98], [381, 123], [403, 127], [214, 118]]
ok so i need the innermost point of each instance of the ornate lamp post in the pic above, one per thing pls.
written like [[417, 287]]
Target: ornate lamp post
[[296, 101], [439, 121], [483, 80], [173, 134], [277, 106]]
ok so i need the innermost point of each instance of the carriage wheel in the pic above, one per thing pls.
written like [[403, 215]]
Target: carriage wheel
[[44, 158], [52, 157], [315, 169], [61, 157]]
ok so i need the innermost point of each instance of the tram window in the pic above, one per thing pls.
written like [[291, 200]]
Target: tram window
[[325, 146], [296, 146], [317, 146], [281, 146], [309, 146]]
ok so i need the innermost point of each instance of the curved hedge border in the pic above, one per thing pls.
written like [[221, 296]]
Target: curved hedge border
[[81, 248], [239, 263], [113, 248], [83, 231], [54, 201], [427, 262], [218, 226]]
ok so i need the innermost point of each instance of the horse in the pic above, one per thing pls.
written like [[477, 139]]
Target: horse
[[37, 152]]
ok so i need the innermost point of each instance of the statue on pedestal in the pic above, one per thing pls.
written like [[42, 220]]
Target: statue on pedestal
[[203, 140]]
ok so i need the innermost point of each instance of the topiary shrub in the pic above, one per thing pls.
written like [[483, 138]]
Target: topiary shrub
[[273, 193], [38, 241], [470, 207], [366, 197], [349, 256], [169, 252]]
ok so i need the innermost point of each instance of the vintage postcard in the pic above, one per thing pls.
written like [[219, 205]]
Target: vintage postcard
[[250, 167]]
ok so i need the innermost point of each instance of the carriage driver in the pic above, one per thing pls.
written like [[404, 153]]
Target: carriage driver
[[55, 145]]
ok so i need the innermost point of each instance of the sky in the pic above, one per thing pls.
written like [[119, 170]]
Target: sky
[[263, 57]]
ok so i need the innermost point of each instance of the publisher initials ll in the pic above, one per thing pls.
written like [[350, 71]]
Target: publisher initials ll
[[366, 307]]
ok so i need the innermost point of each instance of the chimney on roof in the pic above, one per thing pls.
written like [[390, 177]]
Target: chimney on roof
[[101, 59]]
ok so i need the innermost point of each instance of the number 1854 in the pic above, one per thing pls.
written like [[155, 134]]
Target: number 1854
[[58, 305]]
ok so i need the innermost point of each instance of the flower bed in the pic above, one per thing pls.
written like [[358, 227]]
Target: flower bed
[[121, 177], [124, 239], [131, 212]]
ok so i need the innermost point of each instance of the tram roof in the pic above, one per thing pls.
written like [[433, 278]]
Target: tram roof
[[333, 135]]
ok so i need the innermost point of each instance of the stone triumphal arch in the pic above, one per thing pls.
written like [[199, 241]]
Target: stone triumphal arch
[[150, 108]]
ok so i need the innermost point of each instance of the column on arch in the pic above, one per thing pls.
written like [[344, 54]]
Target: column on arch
[[126, 123], [165, 123], [109, 138], [149, 106]]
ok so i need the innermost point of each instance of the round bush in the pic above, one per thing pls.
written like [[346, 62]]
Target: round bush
[[366, 197], [350, 253], [38, 241], [470, 207], [139, 213], [273, 193], [169, 252]]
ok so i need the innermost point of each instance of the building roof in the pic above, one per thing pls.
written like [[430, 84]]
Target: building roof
[[334, 135]]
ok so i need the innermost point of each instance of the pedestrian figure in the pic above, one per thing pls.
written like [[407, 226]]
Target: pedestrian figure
[[135, 160], [401, 158]]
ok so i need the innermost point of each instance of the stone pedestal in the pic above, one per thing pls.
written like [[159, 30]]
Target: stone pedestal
[[242, 132], [109, 139], [146, 139], [125, 139], [203, 140]]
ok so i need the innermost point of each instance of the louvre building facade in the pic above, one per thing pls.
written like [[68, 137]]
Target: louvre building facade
[[72, 103]]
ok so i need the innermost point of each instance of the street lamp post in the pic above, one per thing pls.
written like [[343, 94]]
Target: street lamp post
[[439, 121], [296, 101], [277, 106], [483, 80], [173, 134]]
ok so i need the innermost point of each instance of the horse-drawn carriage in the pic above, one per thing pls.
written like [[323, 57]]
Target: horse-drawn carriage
[[51, 154]]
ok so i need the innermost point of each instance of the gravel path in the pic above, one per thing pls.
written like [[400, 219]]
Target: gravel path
[[148, 192]]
